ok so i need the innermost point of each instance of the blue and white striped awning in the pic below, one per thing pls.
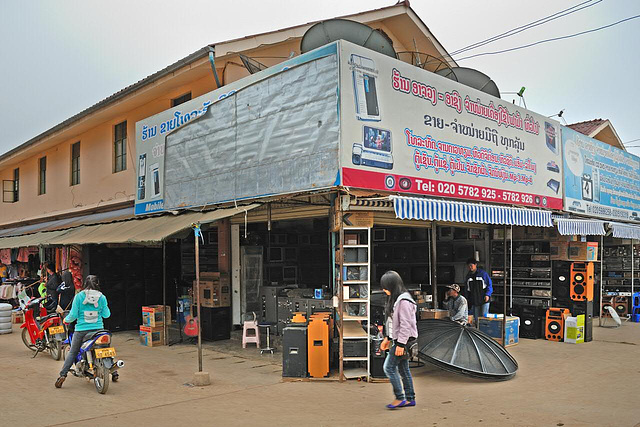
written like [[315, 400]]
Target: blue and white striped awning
[[450, 211], [584, 227], [625, 231]]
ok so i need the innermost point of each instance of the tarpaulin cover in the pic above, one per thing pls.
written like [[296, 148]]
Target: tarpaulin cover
[[464, 350]]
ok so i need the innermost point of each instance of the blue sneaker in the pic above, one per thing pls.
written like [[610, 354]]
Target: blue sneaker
[[399, 405]]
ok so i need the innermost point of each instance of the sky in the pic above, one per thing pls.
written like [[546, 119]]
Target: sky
[[61, 57]]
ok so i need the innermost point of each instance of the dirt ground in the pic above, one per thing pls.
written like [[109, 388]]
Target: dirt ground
[[558, 384]]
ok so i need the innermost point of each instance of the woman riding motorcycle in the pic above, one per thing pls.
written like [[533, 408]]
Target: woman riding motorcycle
[[89, 307]]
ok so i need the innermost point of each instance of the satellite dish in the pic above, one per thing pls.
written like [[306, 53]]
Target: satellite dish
[[424, 61], [251, 65], [573, 157], [472, 78], [331, 30]]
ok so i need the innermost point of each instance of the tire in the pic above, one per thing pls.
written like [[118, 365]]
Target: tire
[[26, 339], [102, 377], [55, 348], [5, 315], [5, 307], [5, 325]]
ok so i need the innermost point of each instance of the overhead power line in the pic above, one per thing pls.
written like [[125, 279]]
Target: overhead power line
[[549, 40], [530, 25]]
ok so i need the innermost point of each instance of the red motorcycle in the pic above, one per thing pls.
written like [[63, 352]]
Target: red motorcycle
[[42, 331]]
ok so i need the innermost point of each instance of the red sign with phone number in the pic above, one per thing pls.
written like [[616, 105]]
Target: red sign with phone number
[[407, 184]]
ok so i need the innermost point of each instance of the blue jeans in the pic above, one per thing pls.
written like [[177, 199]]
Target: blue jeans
[[395, 368], [76, 343], [480, 311]]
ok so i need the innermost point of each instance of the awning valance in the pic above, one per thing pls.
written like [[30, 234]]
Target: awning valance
[[625, 231], [585, 227], [145, 230], [445, 210]]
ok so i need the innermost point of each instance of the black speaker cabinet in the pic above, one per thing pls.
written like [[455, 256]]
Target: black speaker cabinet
[[586, 308], [561, 283], [215, 323], [531, 321], [294, 351]]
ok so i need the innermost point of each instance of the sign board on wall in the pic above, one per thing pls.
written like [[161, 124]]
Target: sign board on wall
[[407, 130], [599, 179], [151, 133]]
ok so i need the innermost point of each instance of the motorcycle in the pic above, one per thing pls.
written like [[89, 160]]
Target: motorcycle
[[44, 331], [96, 359]]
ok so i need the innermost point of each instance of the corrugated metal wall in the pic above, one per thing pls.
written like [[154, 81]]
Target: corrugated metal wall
[[277, 136]]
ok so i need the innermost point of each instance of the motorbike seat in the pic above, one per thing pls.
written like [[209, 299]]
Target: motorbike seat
[[48, 316], [92, 335]]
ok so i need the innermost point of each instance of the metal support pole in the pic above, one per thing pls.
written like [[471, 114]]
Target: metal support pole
[[504, 292], [341, 279], [434, 265], [197, 233], [164, 291], [601, 278], [633, 272]]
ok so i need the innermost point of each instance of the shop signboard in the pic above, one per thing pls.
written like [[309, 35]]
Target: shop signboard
[[600, 180], [157, 171], [408, 130]]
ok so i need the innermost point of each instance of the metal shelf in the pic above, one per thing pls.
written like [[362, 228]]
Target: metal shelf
[[355, 264], [354, 318], [355, 300], [355, 246], [541, 279], [355, 282], [352, 331], [522, 296], [532, 287], [355, 359]]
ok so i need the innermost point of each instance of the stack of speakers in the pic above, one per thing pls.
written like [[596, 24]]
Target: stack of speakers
[[572, 292]]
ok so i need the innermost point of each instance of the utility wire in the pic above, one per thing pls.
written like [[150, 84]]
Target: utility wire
[[550, 40], [525, 27]]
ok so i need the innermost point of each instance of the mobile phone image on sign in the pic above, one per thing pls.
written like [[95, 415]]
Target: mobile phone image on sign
[[365, 88], [142, 175], [155, 176], [376, 148]]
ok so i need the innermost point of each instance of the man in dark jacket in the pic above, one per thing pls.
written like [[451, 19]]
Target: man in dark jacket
[[53, 281], [479, 290]]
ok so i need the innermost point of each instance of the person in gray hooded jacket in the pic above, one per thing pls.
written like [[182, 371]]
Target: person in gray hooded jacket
[[400, 329]]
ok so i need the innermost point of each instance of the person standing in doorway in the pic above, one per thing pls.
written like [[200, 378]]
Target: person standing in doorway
[[400, 331], [479, 290]]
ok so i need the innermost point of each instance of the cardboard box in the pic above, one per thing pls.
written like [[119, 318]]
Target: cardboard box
[[574, 329], [583, 251], [155, 315], [151, 337], [209, 276], [214, 293], [559, 250], [431, 313], [17, 317], [351, 239], [493, 328]]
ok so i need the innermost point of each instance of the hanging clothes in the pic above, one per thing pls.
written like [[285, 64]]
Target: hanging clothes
[[23, 255], [5, 256]]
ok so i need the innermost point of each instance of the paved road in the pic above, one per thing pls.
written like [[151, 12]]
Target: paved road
[[558, 384]]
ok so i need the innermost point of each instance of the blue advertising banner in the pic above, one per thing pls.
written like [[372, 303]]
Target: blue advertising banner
[[600, 180]]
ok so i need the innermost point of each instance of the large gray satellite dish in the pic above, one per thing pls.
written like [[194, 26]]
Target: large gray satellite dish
[[472, 78], [331, 30]]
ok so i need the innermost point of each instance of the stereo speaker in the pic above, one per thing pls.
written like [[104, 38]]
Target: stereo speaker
[[560, 289], [621, 305], [554, 325], [531, 321], [581, 288]]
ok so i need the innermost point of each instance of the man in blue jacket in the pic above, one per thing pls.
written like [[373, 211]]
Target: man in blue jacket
[[479, 290]]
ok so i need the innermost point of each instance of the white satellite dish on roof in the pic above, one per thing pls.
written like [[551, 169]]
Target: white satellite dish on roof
[[472, 78]]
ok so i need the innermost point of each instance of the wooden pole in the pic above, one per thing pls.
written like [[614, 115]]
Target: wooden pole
[[197, 233]]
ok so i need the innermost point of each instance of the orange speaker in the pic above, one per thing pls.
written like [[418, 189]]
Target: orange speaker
[[582, 281], [621, 305], [554, 326]]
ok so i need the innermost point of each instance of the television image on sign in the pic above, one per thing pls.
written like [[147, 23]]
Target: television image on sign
[[377, 139]]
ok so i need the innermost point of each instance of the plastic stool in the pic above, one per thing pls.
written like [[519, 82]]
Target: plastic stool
[[247, 326], [267, 326], [635, 318]]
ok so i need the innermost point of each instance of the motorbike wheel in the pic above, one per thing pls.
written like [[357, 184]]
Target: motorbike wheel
[[26, 339], [102, 377], [55, 348]]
